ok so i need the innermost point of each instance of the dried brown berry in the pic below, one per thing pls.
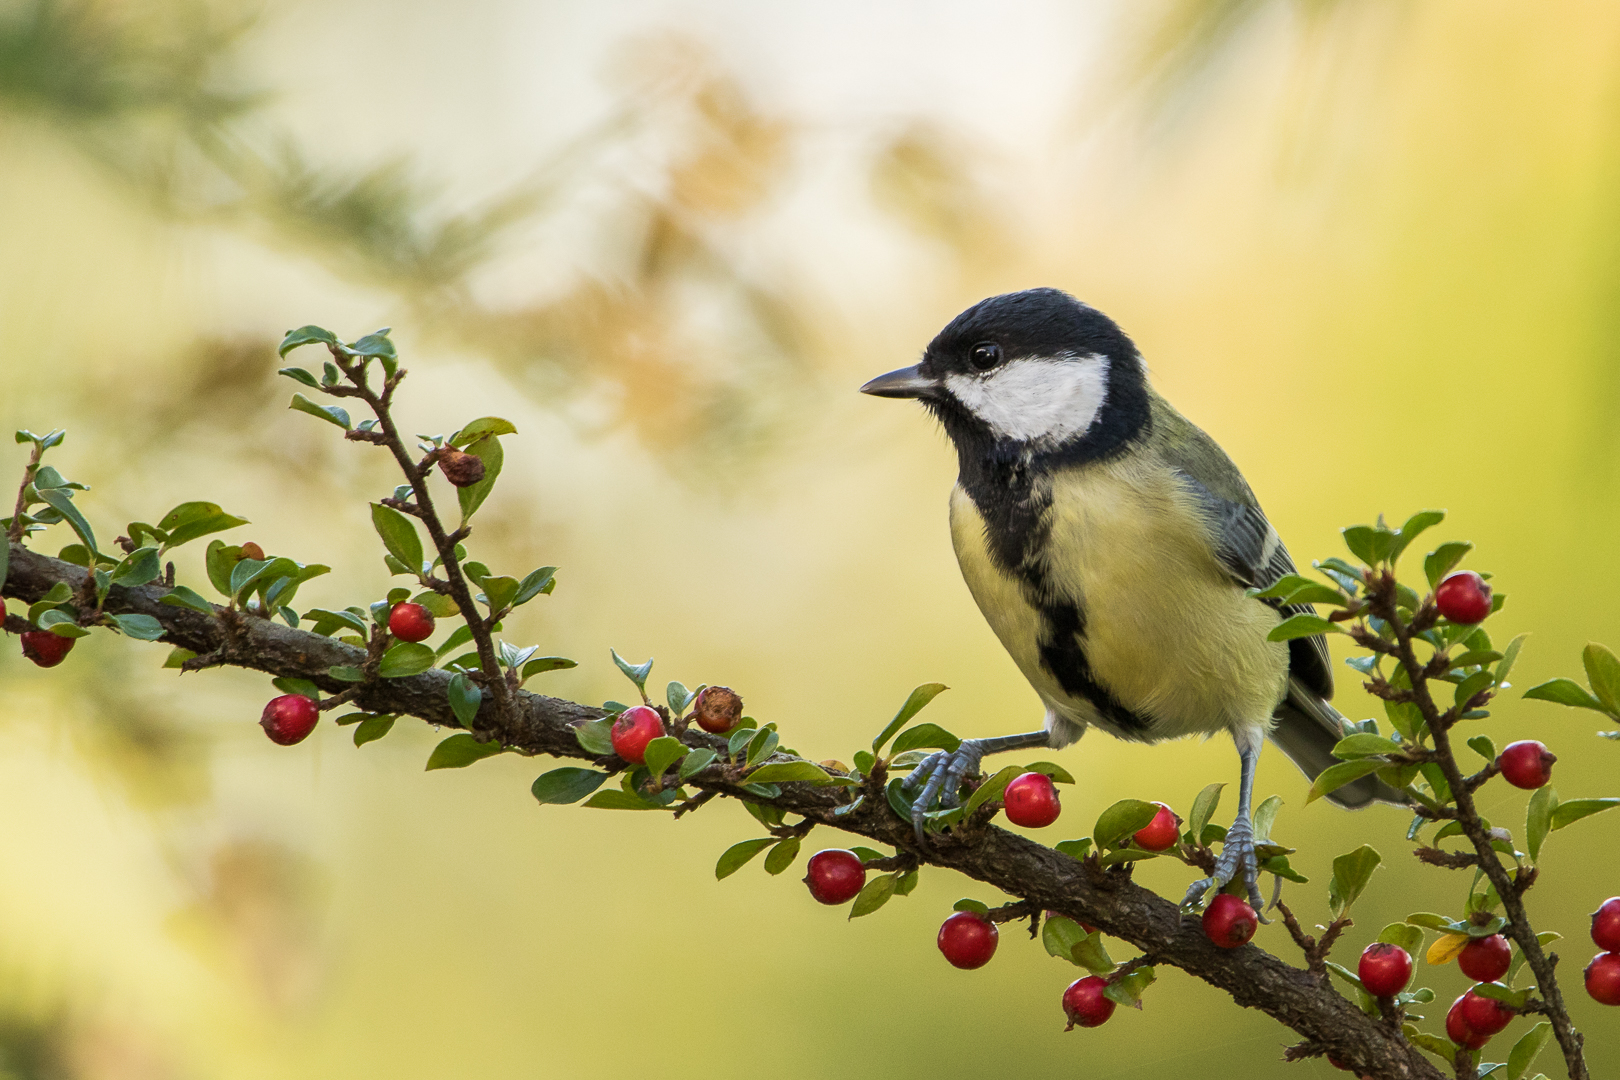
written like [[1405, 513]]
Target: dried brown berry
[[718, 709], [250, 550], [461, 469]]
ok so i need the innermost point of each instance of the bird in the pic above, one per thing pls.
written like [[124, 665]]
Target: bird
[[1114, 548]]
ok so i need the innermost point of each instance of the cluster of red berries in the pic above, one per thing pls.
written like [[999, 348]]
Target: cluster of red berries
[[1603, 973]]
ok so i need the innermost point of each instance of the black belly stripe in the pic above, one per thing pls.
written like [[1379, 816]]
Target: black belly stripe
[[1063, 654]]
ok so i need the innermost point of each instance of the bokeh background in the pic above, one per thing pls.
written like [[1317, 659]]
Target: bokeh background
[[1372, 247]]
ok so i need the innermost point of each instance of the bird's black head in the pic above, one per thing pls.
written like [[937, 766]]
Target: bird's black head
[[1031, 373]]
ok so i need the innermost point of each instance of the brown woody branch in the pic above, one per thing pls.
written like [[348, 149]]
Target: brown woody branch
[[1041, 878]]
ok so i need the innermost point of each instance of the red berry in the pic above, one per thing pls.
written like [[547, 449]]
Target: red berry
[[1485, 959], [835, 875], [45, 648], [633, 730], [410, 622], [1463, 597], [1606, 925], [1162, 832], [289, 718], [1527, 764], [1084, 1003], [1384, 969], [1603, 978], [1229, 922], [717, 709], [1032, 801], [1485, 1015], [968, 940], [1458, 1030]]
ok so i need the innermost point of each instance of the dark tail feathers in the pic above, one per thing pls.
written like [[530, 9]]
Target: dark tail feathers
[[1307, 729]]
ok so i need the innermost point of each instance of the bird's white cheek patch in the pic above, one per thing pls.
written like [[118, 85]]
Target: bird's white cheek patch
[[1037, 399]]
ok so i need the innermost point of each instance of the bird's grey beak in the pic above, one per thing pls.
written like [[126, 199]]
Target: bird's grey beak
[[907, 382]]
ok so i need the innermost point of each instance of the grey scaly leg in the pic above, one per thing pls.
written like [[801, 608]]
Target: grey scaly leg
[[941, 774], [1237, 851]]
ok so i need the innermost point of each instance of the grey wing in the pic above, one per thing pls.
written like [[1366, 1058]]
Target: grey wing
[[1252, 552]]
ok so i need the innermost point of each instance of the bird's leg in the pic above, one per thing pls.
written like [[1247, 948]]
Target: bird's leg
[[1237, 850], [941, 774]]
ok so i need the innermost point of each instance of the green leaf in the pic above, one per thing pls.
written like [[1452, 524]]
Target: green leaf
[[695, 762], [1479, 680], [1365, 745], [874, 895], [191, 520], [1127, 989], [1524, 1052], [568, 785], [1203, 809], [245, 573], [305, 335], [298, 374], [1369, 544], [538, 581], [1568, 813], [465, 697], [990, 789], [636, 673], [177, 657], [1298, 626], [740, 738], [763, 746], [620, 800], [1351, 872], [789, 772], [1565, 692], [297, 686], [925, 735], [736, 856], [1074, 849], [1265, 815], [398, 535], [486, 448], [137, 568], [782, 855], [1482, 745], [663, 752], [487, 425], [373, 728], [1061, 936], [346, 674], [1119, 822], [140, 627], [1603, 675], [180, 596], [405, 658], [1444, 559], [1415, 524], [61, 501], [1092, 955], [328, 621], [1405, 935], [332, 414], [1336, 776], [1058, 773], [915, 703], [1509, 655], [375, 345], [595, 736], [461, 750], [898, 802]]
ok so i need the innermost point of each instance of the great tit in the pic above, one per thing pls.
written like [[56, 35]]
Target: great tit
[[1109, 543]]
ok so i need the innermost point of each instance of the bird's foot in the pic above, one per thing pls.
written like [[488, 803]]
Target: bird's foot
[[940, 775], [1237, 854]]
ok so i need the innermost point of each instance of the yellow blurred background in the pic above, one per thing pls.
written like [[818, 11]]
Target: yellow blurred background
[[1373, 248]]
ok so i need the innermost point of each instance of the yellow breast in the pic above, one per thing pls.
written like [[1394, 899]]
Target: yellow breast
[[1167, 631]]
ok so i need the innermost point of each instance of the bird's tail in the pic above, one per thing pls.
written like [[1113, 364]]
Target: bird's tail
[[1307, 729]]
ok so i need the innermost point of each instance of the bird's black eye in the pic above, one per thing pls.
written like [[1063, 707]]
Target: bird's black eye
[[985, 355]]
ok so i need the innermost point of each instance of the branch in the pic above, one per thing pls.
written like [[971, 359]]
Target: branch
[[1040, 877]]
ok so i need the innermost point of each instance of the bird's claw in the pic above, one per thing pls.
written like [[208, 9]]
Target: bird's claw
[[940, 775], [1237, 853]]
